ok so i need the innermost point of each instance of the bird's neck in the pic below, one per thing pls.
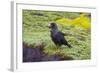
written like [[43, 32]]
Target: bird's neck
[[54, 30]]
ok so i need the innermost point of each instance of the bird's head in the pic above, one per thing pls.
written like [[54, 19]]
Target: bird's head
[[53, 25]]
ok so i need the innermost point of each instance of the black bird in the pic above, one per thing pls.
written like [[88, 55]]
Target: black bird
[[57, 36]]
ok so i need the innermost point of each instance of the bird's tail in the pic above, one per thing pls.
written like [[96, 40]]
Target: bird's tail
[[69, 45]]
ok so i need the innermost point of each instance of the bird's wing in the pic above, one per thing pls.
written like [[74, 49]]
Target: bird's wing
[[65, 34], [62, 33]]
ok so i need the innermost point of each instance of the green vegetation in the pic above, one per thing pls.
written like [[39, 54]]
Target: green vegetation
[[76, 25]]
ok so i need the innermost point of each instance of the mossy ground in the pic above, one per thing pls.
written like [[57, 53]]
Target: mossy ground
[[35, 31]]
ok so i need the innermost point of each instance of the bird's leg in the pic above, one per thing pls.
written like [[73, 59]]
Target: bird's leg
[[58, 46]]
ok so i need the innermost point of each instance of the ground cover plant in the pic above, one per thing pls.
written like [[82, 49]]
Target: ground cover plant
[[36, 35]]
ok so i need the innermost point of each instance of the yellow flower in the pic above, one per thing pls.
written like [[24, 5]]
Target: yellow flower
[[81, 21]]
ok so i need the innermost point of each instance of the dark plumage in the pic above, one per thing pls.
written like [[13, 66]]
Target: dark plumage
[[57, 36]]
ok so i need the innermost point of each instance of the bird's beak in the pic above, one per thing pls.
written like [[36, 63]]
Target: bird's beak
[[49, 26]]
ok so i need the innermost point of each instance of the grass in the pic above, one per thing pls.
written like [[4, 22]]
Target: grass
[[36, 30]]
